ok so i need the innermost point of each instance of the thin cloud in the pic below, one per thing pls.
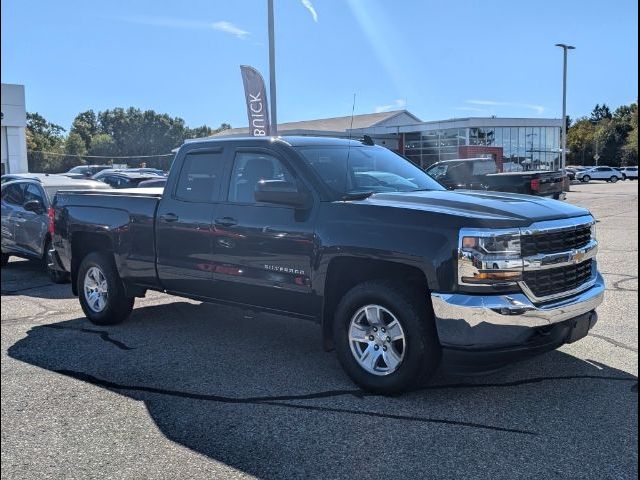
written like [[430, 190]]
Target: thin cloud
[[221, 26], [309, 6], [472, 109], [230, 28], [539, 109], [399, 103]]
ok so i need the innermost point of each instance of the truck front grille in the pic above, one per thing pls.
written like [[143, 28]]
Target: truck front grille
[[556, 241], [555, 281]]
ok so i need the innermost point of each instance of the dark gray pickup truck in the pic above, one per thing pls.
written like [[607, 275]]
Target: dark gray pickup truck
[[483, 174], [402, 275]]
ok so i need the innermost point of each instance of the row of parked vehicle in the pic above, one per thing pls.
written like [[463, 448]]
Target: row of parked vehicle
[[608, 174], [27, 199]]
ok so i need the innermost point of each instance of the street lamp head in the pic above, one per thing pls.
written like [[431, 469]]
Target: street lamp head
[[564, 45]]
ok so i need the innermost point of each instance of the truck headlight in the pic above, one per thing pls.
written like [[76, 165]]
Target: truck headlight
[[489, 258]]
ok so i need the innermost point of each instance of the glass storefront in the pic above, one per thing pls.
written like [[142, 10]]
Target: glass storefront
[[526, 148]]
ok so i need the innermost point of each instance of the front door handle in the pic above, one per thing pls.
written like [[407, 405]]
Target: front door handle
[[169, 217], [226, 221]]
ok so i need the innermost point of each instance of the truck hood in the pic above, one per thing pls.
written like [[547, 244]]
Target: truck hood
[[481, 205]]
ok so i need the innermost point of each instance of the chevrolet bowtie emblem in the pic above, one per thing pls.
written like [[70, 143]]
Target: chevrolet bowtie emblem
[[578, 257]]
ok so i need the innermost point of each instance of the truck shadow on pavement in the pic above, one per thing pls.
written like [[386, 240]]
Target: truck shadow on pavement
[[260, 395]]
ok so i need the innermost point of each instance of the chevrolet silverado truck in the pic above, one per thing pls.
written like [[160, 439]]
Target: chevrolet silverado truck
[[403, 275]]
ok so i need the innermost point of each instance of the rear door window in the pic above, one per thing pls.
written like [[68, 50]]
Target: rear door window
[[200, 179]]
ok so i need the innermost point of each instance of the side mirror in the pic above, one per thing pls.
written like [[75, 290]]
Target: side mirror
[[282, 193], [34, 206]]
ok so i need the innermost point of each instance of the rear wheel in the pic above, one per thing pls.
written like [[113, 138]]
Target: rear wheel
[[613, 179], [385, 339], [101, 291]]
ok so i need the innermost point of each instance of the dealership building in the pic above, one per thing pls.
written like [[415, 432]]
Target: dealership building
[[14, 122], [518, 143]]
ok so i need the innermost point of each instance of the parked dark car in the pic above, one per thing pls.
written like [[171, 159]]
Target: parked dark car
[[124, 178], [401, 274], [483, 174], [25, 216], [85, 171]]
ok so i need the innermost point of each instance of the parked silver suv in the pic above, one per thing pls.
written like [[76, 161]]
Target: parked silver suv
[[25, 220]]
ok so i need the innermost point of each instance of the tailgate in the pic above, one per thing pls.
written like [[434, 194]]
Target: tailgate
[[549, 183]]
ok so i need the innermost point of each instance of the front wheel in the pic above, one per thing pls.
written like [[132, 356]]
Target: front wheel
[[385, 339], [613, 179], [101, 291], [586, 179]]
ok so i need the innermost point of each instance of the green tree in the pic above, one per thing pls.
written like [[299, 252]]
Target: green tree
[[630, 148], [103, 145], [135, 132], [86, 125], [44, 141], [580, 142], [205, 131], [600, 112]]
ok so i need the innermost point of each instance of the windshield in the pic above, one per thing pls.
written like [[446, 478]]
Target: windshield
[[348, 171]]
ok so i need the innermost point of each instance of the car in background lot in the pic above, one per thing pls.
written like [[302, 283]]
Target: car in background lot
[[125, 178], [154, 183], [25, 220], [9, 177], [573, 171], [630, 173], [145, 171], [85, 171], [608, 174], [484, 174]]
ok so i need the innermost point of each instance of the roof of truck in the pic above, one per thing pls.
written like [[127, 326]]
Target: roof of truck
[[294, 141]]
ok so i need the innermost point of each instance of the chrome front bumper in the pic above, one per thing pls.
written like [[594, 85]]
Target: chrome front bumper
[[482, 321]]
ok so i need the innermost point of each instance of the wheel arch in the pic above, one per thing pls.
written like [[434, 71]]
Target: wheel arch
[[344, 273]]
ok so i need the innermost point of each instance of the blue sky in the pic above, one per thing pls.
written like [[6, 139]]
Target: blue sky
[[437, 59]]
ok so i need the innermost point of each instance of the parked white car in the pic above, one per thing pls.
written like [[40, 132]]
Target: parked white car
[[600, 173], [630, 173]]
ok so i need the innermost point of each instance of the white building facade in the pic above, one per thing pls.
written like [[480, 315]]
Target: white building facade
[[14, 122]]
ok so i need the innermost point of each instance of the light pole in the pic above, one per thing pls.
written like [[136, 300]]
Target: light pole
[[565, 48], [272, 70]]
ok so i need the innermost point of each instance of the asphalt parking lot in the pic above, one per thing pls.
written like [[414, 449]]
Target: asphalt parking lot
[[191, 390]]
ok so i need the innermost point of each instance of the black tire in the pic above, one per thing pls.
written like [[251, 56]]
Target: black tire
[[586, 179], [422, 351], [56, 276], [613, 179], [117, 307], [5, 259]]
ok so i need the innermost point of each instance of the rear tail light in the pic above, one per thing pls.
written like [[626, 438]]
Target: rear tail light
[[535, 185], [52, 220]]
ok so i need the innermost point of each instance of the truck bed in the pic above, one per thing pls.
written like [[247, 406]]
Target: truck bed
[[126, 216]]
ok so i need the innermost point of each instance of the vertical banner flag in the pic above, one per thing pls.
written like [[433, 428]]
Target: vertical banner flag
[[256, 98]]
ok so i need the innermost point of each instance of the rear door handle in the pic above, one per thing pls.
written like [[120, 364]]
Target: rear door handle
[[169, 217], [226, 221]]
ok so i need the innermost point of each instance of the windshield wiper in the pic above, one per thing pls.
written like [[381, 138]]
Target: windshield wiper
[[356, 196]]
